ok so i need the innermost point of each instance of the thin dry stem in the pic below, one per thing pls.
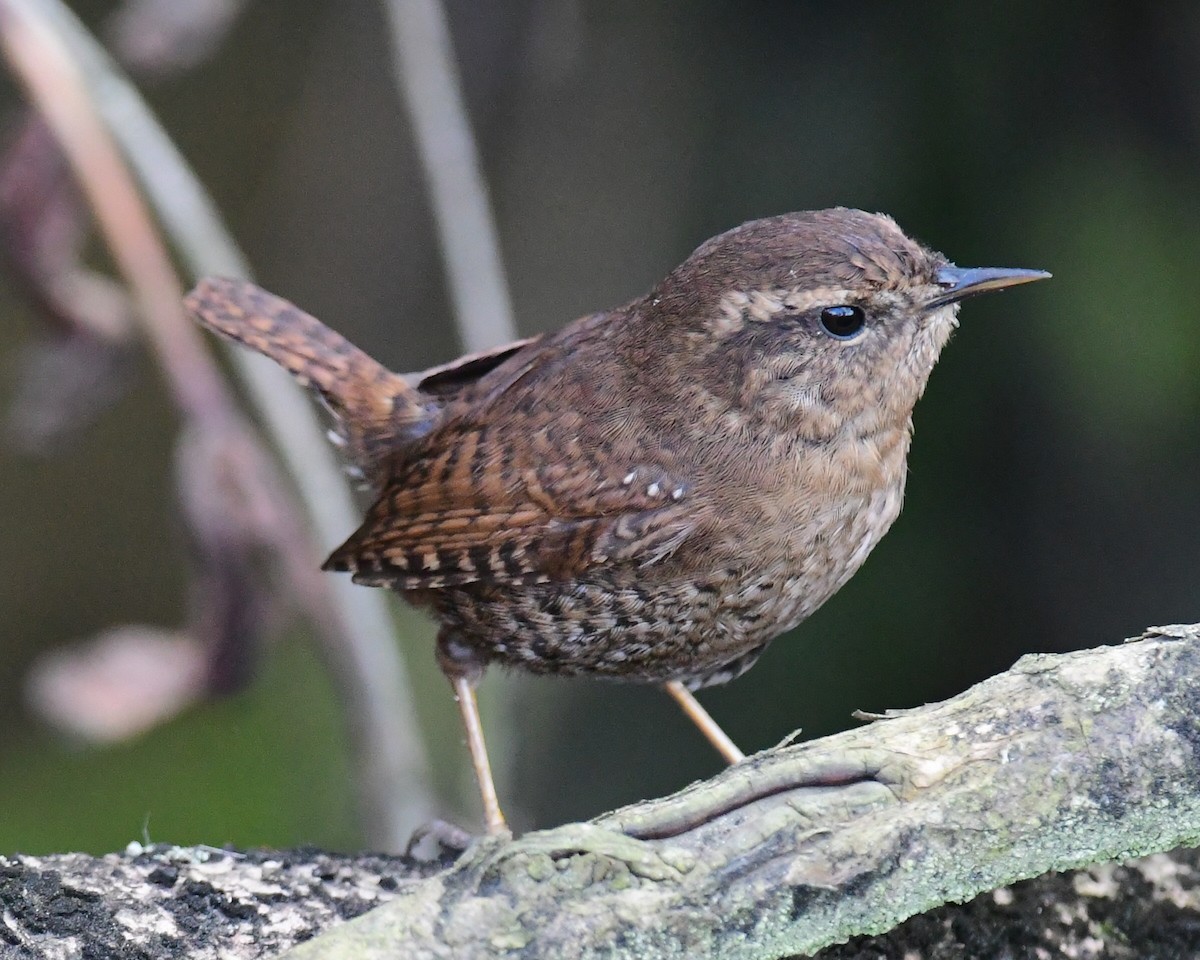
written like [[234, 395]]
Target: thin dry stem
[[428, 82]]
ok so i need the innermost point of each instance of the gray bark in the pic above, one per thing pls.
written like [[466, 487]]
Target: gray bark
[[1062, 761]]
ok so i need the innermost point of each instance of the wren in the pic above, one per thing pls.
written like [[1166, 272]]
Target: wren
[[654, 492]]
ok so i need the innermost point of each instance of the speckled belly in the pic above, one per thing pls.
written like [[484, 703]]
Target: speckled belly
[[646, 625]]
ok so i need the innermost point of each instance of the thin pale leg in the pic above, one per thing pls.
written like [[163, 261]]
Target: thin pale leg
[[468, 707], [702, 719]]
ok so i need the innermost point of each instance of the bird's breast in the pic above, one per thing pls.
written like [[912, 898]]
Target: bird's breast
[[817, 522]]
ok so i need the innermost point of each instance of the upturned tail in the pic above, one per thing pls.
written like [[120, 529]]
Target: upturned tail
[[373, 407]]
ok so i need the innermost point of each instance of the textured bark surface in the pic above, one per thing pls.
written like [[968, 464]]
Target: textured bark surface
[[185, 901], [1062, 761], [175, 902]]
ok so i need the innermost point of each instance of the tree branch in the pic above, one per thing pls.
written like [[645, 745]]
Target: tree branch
[[1063, 760]]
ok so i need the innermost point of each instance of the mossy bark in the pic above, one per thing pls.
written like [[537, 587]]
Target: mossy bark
[[1062, 761]]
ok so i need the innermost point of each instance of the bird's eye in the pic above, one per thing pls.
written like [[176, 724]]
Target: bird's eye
[[844, 322]]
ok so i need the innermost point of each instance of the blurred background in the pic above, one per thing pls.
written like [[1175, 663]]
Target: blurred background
[[1052, 501]]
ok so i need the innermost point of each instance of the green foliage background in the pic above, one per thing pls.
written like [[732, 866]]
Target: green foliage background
[[1053, 491]]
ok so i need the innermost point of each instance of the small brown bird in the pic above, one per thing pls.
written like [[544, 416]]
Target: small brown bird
[[654, 492]]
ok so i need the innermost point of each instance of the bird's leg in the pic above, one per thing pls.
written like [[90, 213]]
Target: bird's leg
[[464, 669], [702, 719], [464, 693]]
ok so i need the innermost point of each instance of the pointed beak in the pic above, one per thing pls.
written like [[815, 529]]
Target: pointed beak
[[958, 283]]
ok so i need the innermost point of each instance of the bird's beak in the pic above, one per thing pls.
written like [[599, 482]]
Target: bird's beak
[[958, 283]]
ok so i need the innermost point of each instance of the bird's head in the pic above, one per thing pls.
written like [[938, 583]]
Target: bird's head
[[821, 319]]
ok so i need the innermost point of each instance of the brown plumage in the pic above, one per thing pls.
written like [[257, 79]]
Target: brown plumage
[[654, 492]]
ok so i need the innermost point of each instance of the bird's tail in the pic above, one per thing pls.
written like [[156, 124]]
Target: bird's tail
[[370, 404]]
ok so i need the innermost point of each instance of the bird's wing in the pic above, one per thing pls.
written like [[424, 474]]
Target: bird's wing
[[470, 513], [534, 473], [450, 379]]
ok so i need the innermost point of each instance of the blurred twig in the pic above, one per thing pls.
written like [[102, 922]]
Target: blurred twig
[[80, 360], [423, 58], [43, 226], [61, 65], [43, 66]]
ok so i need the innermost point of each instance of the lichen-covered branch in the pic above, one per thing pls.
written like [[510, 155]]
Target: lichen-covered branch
[[204, 904], [1062, 761]]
